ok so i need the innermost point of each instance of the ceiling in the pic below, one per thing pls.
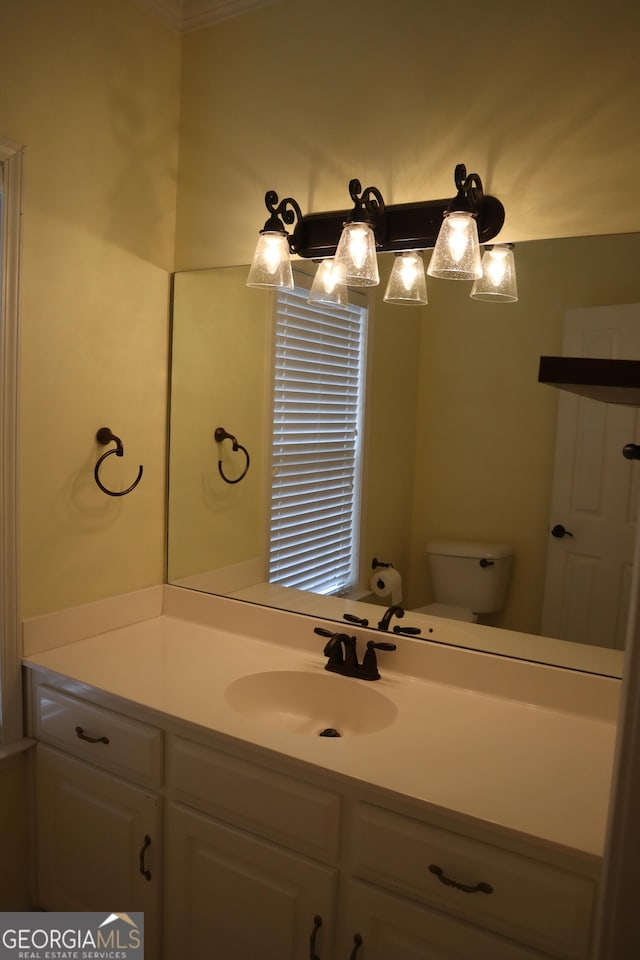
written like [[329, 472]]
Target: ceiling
[[187, 15]]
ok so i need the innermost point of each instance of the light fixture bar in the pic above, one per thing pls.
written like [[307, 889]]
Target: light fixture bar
[[408, 226]]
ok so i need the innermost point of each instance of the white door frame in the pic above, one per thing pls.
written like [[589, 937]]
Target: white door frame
[[617, 928], [11, 730]]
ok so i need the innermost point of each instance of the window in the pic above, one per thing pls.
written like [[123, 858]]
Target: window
[[316, 449]]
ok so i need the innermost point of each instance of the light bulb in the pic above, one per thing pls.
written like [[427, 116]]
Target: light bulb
[[358, 244], [271, 266], [498, 281], [456, 255], [328, 285], [356, 255], [407, 284]]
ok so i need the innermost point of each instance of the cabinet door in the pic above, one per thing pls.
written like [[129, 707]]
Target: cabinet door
[[379, 926], [233, 896], [91, 831]]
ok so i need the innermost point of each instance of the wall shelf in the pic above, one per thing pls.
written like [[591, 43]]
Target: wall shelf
[[611, 381]]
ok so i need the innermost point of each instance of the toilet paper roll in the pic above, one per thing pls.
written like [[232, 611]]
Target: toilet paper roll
[[385, 581]]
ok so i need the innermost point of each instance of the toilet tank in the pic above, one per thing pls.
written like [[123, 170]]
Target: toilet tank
[[468, 574]]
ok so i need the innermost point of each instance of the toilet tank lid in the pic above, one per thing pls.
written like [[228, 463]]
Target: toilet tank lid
[[469, 548]]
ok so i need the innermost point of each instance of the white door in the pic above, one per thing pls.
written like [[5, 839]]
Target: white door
[[595, 491]]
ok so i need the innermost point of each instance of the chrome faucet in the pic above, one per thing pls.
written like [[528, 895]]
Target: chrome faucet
[[394, 609]]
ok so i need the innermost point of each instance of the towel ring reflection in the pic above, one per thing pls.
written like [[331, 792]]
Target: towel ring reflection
[[104, 436], [220, 435]]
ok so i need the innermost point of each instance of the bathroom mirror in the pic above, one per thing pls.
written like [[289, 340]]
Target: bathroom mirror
[[459, 436]]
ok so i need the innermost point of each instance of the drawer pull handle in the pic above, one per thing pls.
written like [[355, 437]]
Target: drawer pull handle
[[357, 943], [143, 870], [317, 923], [82, 736], [465, 887]]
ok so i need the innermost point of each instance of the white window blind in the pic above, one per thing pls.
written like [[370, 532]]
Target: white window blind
[[318, 398]]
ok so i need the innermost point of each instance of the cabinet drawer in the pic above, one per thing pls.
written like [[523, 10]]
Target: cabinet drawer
[[531, 901], [295, 814], [100, 736]]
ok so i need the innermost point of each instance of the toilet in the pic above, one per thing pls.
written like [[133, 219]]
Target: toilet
[[467, 579]]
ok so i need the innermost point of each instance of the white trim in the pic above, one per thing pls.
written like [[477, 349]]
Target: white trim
[[15, 748], [203, 13], [169, 11], [617, 931], [89, 619], [188, 15], [10, 651]]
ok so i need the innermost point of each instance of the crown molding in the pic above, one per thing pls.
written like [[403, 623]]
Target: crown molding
[[169, 11], [188, 15], [202, 13]]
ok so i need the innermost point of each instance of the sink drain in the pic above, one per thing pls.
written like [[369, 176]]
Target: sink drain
[[329, 732]]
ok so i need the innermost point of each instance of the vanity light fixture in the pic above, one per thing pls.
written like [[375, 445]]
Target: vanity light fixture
[[456, 255], [407, 282], [498, 282], [328, 285], [353, 237], [271, 265]]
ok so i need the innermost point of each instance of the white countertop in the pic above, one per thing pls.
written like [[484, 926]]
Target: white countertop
[[539, 771]]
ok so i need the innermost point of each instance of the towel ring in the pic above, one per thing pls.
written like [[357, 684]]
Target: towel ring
[[220, 435], [104, 436]]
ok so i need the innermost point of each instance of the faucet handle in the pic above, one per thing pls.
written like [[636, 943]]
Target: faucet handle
[[410, 631], [369, 669], [351, 617], [333, 647]]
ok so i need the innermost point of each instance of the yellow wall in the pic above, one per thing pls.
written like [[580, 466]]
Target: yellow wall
[[485, 427], [220, 382], [13, 834], [92, 90], [540, 99], [221, 363], [393, 378]]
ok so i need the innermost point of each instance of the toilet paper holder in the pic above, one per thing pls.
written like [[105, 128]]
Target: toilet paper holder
[[378, 563]]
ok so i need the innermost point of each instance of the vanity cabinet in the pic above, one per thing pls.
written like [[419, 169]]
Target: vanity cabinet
[[522, 898], [235, 896], [98, 836], [249, 859], [265, 857], [376, 925]]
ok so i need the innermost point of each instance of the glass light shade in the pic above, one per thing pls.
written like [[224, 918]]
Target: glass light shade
[[356, 256], [328, 285], [407, 282], [456, 255], [271, 266], [498, 281]]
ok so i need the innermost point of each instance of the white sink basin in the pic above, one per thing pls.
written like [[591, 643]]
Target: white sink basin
[[311, 702]]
